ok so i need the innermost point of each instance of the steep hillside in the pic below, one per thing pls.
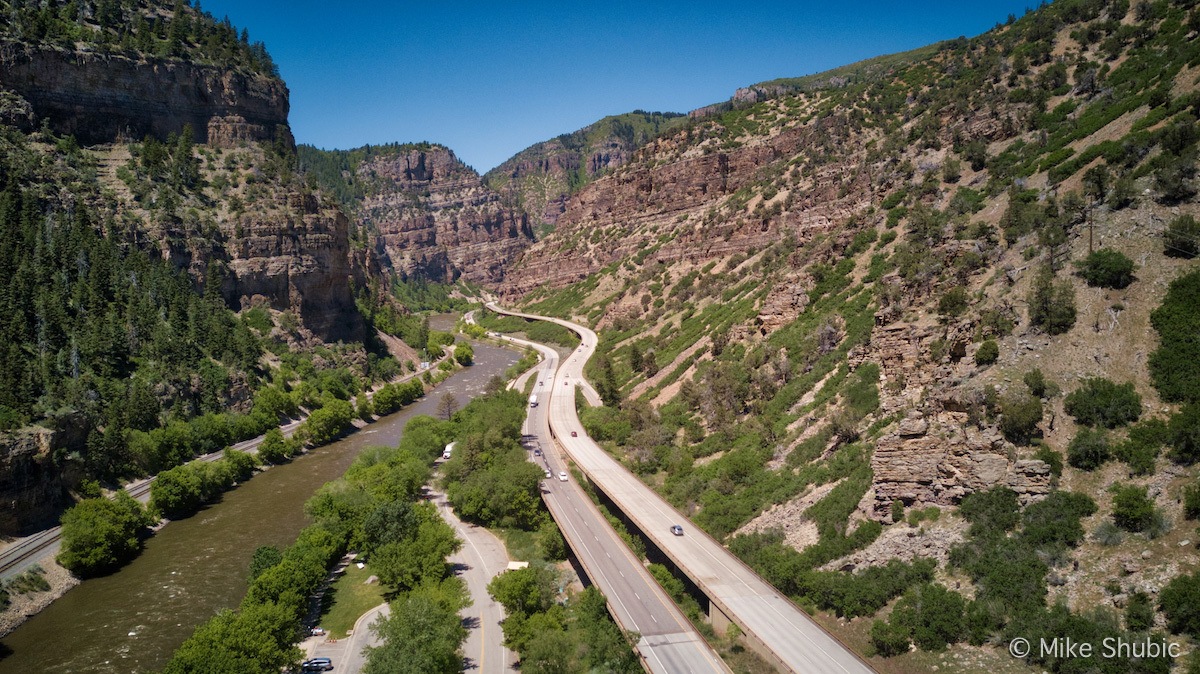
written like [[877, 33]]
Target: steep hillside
[[829, 311], [422, 212], [541, 177], [124, 69], [165, 297]]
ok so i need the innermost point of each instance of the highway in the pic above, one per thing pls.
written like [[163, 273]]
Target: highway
[[668, 642], [791, 639]]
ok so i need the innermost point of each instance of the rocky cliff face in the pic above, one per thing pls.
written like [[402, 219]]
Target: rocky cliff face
[[434, 218], [101, 99], [670, 204], [33, 488], [541, 177], [296, 258]]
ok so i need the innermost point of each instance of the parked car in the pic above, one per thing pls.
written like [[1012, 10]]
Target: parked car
[[676, 529], [316, 665], [562, 476]]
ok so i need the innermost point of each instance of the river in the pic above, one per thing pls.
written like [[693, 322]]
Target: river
[[131, 621]]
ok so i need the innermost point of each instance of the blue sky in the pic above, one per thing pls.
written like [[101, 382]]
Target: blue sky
[[490, 79]]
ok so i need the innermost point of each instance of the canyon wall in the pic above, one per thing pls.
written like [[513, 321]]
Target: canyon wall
[[107, 98], [434, 218]]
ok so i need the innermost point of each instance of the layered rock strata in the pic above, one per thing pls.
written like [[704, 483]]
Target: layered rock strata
[[435, 219], [107, 98]]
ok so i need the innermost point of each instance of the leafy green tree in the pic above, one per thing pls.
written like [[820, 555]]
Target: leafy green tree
[[328, 423], [265, 557], [524, 591], [1106, 268], [405, 565], [1100, 402], [363, 408], [1132, 509], [421, 636], [464, 354], [889, 639], [257, 639], [1191, 501], [1139, 612], [100, 534], [1036, 382], [177, 492], [953, 302], [275, 448]]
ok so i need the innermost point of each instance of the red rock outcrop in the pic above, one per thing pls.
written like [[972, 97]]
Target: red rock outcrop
[[296, 257], [105, 98], [665, 193], [436, 219]]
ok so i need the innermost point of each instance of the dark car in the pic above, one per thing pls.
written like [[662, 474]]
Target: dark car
[[574, 434], [537, 452], [676, 529]]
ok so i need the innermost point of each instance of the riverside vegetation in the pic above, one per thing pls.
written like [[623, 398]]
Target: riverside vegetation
[[376, 510]]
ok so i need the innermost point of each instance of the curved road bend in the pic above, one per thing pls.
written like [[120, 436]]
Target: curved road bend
[[797, 642], [668, 643]]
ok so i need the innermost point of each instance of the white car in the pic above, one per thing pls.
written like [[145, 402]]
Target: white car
[[548, 474], [562, 476]]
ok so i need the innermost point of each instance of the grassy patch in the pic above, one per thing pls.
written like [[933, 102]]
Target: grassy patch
[[349, 598]]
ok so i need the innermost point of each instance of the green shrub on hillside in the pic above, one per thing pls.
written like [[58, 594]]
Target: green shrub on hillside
[[987, 353], [1020, 415], [1180, 603], [1184, 434], [1175, 365], [932, 614], [1146, 439], [1182, 238], [1051, 304], [1132, 509], [1100, 402], [953, 302], [1106, 268], [1089, 449]]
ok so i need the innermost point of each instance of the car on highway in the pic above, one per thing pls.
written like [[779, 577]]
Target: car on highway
[[676, 529], [548, 474], [537, 452], [574, 434], [562, 476], [316, 665]]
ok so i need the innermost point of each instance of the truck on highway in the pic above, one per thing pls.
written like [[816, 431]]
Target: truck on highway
[[533, 400]]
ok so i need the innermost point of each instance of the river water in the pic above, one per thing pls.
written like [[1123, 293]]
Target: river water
[[131, 622]]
